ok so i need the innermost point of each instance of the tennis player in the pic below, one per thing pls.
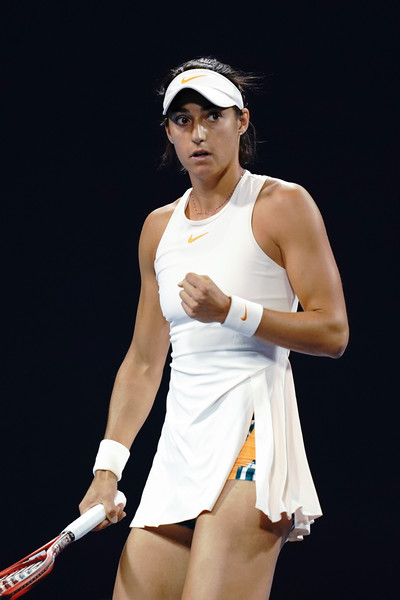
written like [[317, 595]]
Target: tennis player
[[223, 269]]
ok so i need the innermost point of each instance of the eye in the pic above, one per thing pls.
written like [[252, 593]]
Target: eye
[[214, 115], [180, 119]]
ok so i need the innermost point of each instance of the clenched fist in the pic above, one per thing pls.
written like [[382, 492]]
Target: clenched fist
[[203, 300]]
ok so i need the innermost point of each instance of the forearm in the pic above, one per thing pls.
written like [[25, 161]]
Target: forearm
[[318, 331], [132, 398], [314, 332]]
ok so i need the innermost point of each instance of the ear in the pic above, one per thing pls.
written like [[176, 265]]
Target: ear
[[167, 131], [244, 121]]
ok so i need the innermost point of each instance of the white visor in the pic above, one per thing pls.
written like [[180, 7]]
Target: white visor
[[212, 85]]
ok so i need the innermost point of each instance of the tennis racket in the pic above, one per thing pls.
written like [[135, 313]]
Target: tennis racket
[[21, 576]]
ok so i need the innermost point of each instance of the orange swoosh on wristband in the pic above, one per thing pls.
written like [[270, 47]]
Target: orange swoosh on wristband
[[245, 314]]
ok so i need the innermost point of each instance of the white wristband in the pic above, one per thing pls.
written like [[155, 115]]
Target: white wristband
[[243, 316], [111, 456]]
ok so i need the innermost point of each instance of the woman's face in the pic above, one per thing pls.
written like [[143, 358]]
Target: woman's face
[[206, 138]]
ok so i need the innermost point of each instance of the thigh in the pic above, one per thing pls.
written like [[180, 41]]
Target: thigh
[[235, 548], [153, 564]]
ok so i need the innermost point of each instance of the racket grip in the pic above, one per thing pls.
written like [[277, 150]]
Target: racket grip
[[91, 518]]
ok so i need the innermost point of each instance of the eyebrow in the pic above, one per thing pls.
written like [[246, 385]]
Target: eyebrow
[[178, 110], [204, 108]]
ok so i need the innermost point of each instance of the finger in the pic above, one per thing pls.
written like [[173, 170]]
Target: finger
[[103, 525], [193, 279], [120, 514], [188, 294], [185, 302], [112, 511], [190, 298], [186, 285]]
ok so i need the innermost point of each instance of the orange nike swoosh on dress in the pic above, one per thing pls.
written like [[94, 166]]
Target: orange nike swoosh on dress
[[193, 239], [245, 313], [190, 78]]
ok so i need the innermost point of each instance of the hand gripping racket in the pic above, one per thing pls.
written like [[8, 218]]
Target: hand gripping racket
[[21, 576]]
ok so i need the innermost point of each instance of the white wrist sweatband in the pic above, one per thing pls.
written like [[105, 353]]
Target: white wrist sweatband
[[243, 316], [111, 456]]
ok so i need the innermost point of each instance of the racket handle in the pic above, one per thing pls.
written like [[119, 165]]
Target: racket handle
[[91, 518]]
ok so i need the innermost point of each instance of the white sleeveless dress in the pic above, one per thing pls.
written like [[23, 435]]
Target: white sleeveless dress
[[219, 378]]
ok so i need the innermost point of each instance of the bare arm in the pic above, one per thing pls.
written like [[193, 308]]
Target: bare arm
[[298, 231], [140, 373], [288, 226]]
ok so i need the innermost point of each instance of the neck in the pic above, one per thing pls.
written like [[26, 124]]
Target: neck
[[209, 195]]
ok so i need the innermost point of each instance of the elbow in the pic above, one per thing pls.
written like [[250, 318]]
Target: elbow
[[337, 350], [338, 340]]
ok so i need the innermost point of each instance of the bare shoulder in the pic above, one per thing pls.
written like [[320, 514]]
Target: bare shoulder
[[286, 198], [154, 227], [287, 207], [285, 215]]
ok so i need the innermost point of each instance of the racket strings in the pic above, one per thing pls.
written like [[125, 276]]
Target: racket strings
[[34, 566], [16, 577]]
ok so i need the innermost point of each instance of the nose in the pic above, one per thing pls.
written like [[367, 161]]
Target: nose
[[198, 133]]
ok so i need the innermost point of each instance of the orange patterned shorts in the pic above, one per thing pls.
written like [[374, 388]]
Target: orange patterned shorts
[[244, 467], [245, 464]]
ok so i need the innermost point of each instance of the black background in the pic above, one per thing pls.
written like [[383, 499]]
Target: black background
[[82, 143]]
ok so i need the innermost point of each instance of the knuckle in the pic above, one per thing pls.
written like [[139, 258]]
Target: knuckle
[[197, 294]]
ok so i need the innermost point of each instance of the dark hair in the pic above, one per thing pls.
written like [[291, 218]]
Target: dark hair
[[243, 81]]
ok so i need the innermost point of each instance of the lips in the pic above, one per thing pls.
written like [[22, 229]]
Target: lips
[[199, 154]]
